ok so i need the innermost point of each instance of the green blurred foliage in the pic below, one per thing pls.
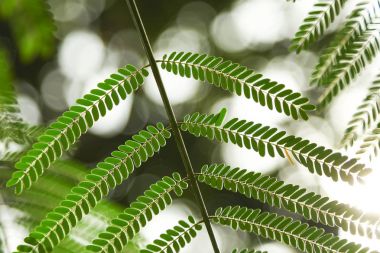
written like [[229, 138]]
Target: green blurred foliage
[[32, 27]]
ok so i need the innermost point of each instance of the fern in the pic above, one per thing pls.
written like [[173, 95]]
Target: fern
[[45, 195], [358, 54], [290, 197], [365, 115], [316, 23], [264, 139], [284, 229], [371, 144], [11, 156], [64, 132], [238, 80], [355, 46], [140, 212], [105, 177], [33, 29], [176, 238], [12, 128], [353, 28], [7, 96]]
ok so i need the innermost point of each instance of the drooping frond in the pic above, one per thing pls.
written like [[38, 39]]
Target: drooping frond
[[129, 223], [101, 180], [266, 140], [353, 60], [290, 197], [176, 238], [238, 80], [353, 28], [247, 251], [285, 230], [370, 146], [366, 114], [33, 29], [316, 23], [67, 129]]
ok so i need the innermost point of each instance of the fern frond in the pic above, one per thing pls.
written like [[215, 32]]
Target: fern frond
[[370, 146], [18, 132], [7, 96], [266, 140], [14, 130], [101, 180], [358, 54], [176, 238], [284, 229], [239, 80], [47, 194], [366, 114], [316, 23], [353, 28], [140, 212], [11, 156], [290, 197], [247, 251], [64, 132]]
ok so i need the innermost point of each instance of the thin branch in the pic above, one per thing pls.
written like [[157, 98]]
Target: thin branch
[[173, 122]]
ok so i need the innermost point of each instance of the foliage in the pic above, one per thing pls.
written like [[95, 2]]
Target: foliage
[[64, 132], [140, 212], [365, 116], [33, 29], [239, 80], [264, 139], [45, 195], [13, 127], [290, 197], [247, 251], [352, 49], [176, 238], [316, 23], [60, 204], [370, 145]]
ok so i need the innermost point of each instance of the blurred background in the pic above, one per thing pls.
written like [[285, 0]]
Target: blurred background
[[94, 38]]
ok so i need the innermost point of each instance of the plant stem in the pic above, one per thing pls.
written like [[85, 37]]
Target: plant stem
[[173, 122]]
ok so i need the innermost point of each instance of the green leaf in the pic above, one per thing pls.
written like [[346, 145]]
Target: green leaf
[[241, 81], [67, 129], [283, 229], [87, 194], [290, 197], [354, 26], [365, 116], [370, 145], [316, 23], [247, 251], [175, 238], [127, 224], [353, 59]]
